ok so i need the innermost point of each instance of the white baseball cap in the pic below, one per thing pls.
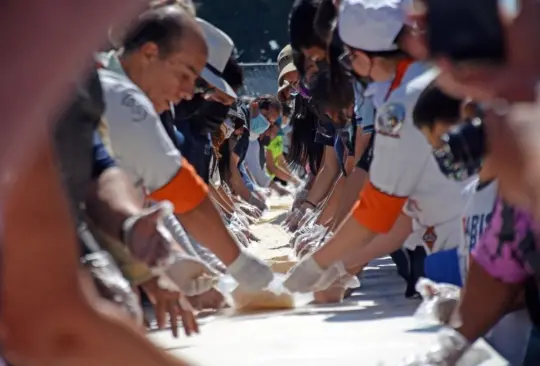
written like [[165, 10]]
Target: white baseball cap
[[372, 25], [220, 48]]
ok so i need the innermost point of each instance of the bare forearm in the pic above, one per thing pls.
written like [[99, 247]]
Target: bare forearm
[[322, 185], [212, 234], [383, 244], [111, 200], [225, 205], [329, 210], [474, 302], [348, 236]]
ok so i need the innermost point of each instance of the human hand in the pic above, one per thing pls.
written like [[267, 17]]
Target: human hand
[[250, 210], [309, 276], [446, 350], [191, 275], [255, 201], [299, 198], [239, 235], [211, 299], [146, 236], [250, 272], [292, 221], [172, 303]]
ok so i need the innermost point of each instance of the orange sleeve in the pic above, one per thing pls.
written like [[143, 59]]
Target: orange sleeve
[[186, 190], [376, 210]]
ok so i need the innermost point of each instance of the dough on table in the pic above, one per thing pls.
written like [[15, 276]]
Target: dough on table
[[262, 300], [282, 266], [281, 258]]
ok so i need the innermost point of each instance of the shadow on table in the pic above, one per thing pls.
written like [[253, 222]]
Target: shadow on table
[[381, 296]]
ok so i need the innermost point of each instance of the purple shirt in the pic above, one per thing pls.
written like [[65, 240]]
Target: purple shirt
[[508, 244]]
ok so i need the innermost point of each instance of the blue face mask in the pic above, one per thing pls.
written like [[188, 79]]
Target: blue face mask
[[259, 124]]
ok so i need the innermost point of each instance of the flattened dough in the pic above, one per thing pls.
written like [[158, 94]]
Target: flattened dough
[[262, 300], [282, 266]]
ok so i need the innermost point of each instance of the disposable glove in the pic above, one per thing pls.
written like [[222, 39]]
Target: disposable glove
[[445, 351], [250, 272], [237, 232], [191, 275], [309, 276]]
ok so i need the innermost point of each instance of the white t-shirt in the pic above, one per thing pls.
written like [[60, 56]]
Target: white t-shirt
[[480, 203], [403, 164], [141, 145], [254, 164]]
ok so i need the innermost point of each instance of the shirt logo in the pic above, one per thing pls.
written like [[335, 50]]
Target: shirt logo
[[138, 112], [390, 119], [430, 237]]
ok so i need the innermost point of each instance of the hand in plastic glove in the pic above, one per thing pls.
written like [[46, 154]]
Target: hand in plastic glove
[[439, 302], [237, 232], [250, 210], [191, 275], [307, 218], [261, 205], [240, 219], [146, 236], [309, 276], [250, 272], [292, 221], [212, 299], [299, 198], [446, 351]]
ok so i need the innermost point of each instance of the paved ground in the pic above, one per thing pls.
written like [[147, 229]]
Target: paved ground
[[374, 327]]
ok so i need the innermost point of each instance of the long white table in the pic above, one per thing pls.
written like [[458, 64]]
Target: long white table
[[375, 327]]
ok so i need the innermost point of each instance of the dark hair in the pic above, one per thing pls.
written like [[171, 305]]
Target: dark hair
[[163, 26], [434, 105], [299, 61], [286, 110], [324, 19], [301, 30], [233, 73], [303, 148], [224, 165], [331, 87], [268, 101]]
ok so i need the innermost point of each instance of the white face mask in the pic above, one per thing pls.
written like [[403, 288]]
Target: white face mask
[[253, 136]]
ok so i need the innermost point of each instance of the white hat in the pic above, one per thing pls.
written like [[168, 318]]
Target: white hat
[[371, 25], [220, 48]]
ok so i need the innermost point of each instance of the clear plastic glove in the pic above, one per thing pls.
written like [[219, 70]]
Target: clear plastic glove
[[241, 219], [292, 221], [299, 198], [191, 275], [445, 351], [206, 255], [261, 205], [146, 236], [237, 232], [309, 276], [250, 210], [308, 219], [250, 272], [439, 302]]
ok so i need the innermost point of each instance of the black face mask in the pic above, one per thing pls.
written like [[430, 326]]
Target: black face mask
[[186, 109], [209, 117], [463, 151], [265, 141]]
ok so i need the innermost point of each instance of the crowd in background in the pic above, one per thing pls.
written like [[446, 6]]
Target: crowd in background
[[393, 142]]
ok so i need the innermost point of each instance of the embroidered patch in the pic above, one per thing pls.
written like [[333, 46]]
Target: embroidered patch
[[138, 111], [390, 119], [430, 237]]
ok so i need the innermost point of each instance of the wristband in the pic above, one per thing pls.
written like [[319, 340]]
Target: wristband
[[310, 203]]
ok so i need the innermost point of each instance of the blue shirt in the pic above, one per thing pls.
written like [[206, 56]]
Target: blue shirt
[[102, 160]]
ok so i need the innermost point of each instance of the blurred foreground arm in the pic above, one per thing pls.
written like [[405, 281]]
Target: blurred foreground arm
[[40, 261]]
